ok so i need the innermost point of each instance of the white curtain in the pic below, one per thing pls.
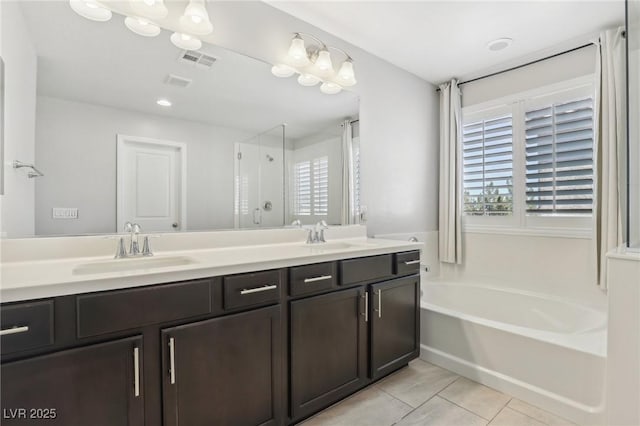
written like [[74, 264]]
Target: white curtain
[[450, 214], [609, 144], [348, 208]]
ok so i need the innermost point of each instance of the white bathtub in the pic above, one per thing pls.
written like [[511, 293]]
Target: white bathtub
[[546, 351]]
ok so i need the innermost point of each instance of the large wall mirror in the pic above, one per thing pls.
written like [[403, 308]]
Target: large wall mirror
[[236, 148]]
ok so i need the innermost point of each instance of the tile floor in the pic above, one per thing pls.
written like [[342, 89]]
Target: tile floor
[[423, 394]]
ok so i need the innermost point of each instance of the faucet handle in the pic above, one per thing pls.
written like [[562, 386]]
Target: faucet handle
[[121, 251], [310, 239], [146, 248], [321, 236], [128, 227]]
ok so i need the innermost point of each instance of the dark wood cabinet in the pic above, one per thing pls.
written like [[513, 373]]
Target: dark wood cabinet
[[328, 344], [394, 318], [95, 385], [224, 371]]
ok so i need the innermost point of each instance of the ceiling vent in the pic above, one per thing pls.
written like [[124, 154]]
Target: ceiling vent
[[197, 58], [177, 81]]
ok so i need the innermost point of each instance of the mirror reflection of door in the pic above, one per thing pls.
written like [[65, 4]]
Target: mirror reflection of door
[[151, 182]]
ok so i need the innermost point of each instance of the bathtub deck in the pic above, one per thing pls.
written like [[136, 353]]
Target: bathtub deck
[[424, 394]]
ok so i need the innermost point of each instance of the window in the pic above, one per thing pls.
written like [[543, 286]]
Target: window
[[488, 167], [527, 161], [311, 187]]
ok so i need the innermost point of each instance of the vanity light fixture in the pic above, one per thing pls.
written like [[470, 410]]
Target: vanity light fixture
[[196, 19], [90, 9], [142, 26], [314, 64], [152, 9], [164, 102], [185, 41]]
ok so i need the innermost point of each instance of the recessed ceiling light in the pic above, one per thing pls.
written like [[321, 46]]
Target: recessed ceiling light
[[499, 44], [164, 102]]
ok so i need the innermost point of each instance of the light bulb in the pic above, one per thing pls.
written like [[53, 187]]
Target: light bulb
[[196, 18], [152, 9], [308, 80], [142, 27], [346, 76], [323, 61], [330, 88], [297, 52], [91, 10], [282, 70], [185, 41]]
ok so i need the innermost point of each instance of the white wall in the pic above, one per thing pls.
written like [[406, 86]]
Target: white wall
[[559, 266], [20, 108], [87, 179], [398, 116]]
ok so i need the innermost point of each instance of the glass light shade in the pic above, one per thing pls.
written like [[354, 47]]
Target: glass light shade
[[196, 19], [330, 88], [91, 10], [153, 9], [346, 76], [298, 53], [282, 70], [308, 80], [323, 62], [185, 41], [142, 27]]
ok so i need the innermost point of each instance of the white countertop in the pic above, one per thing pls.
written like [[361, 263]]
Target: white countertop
[[33, 279]]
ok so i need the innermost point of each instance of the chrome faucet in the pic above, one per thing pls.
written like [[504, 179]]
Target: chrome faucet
[[316, 235], [134, 231]]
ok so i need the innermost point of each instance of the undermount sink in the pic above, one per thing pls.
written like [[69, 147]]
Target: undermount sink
[[131, 264], [329, 246]]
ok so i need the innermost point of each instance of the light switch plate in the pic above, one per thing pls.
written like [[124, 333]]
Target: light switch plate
[[64, 212]]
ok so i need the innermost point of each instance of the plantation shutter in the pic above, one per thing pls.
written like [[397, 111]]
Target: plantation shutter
[[559, 158], [302, 188], [321, 186], [487, 147]]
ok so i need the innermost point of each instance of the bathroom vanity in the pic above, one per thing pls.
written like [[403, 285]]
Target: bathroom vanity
[[258, 346]]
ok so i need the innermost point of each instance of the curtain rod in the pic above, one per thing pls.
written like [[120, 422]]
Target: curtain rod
[[523, 65]]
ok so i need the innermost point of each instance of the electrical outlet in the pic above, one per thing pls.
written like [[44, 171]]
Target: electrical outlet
[[64, 212]]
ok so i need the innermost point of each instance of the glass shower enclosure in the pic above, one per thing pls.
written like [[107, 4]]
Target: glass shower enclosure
[[633, 123]]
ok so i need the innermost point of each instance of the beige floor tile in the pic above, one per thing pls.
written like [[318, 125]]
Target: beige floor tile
[[440, 412], [370, 407], [475, 397], [509, 417], [538, 413], [417, 382]]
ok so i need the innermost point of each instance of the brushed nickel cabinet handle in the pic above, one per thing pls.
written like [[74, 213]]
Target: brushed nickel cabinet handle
[[321, 278], [14, 330], [258, 289], [379, 303], [136, 371], [366, 306], [172, 360], [412, 262]]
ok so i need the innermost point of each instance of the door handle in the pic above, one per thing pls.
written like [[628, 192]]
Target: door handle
[[379, 310], [136, 371], [175, 225], [172, 360], [257, 216], [366, 306]]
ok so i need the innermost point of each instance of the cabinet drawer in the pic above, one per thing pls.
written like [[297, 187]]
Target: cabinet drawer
[[312, 278], [111, 311], [407, 263], [26, 326], [365, 269], [251, 289]]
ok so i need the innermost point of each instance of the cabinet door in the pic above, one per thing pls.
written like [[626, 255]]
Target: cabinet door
[[95, 385], [328, 349], [224, 371], [395, 324]]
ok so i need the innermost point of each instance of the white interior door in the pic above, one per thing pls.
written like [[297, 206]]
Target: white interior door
[[151, 184]]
